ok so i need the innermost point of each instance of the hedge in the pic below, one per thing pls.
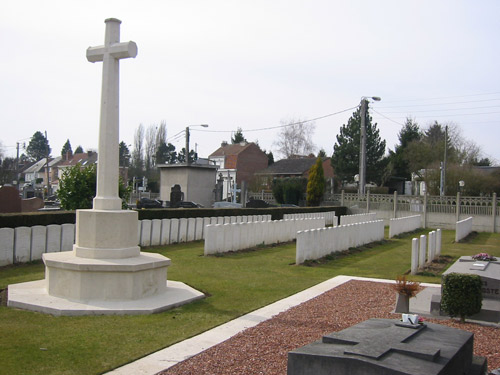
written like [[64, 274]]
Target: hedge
[[29, 219], [462, 295]]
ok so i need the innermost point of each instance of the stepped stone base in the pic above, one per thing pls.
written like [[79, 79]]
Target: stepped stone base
[[33, 296]]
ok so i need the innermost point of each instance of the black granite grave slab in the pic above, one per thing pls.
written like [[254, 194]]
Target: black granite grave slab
[[384, 347]]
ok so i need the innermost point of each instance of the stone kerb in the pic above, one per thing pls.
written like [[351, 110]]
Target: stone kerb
[[404, 224], [463, 229], [321, 242]]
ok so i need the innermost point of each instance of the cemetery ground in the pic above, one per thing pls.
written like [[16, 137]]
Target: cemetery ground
[[235, 284]]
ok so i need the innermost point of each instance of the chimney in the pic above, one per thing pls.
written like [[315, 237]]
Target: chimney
[[223, 144], [89, 153], [68, 155]]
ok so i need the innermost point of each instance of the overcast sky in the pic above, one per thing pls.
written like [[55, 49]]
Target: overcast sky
[[251, 64]]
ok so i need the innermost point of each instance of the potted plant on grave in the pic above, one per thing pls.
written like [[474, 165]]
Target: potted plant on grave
[[406, 289]]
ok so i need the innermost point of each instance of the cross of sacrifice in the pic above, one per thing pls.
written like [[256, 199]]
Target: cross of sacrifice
[[107, 167]]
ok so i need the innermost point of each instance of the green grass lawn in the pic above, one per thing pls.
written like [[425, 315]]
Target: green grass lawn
[[34, 343]]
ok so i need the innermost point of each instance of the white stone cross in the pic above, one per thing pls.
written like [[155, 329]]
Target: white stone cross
[[108, 166]]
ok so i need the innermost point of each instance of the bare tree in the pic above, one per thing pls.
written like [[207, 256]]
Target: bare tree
[[295, 138], [137, 154], [161, 135], [150, 147]]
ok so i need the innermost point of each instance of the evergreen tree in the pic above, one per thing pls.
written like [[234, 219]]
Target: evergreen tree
[[166, 154], [399, 165], [345, 159], [124, 155], [38, 148], [315, 184], [79, 150], [238, 137], [66, 148]]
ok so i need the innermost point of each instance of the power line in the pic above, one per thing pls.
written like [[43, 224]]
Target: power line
[[384, 116], [435, 104], [449, 109], [279, 126], [440, 98]]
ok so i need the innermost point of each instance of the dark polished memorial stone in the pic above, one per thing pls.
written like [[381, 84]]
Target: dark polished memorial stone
[[385, 347]]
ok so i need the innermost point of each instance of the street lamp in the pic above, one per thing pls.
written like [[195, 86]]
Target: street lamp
[[362, 147], [187, 139]]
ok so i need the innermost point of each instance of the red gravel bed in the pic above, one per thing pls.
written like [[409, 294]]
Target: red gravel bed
[[263, 349]]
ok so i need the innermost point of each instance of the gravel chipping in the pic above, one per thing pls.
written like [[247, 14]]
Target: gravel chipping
[[263, 349]]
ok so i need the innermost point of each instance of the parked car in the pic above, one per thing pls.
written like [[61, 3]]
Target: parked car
[[188, 204], [258, 203], [224, 204], [149, 203]]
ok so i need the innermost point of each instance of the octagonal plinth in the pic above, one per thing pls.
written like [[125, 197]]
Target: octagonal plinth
[[82, 279]]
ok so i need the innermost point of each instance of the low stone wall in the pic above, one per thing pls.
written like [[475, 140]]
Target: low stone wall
[[317, 243], [238, 236], [330, 218], [463, 228], [358, 218], [404, 224]]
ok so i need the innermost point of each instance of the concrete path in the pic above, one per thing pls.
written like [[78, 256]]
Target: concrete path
[[168, 357]]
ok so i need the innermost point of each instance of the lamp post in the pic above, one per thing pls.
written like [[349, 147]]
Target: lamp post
[[362, 147], [187, 140]]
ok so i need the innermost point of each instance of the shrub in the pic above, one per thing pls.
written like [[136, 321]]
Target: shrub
[[315, 184], [406, 287], [461, 295]]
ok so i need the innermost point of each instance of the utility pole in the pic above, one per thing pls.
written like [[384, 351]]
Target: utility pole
[[47, 166], [443, 164], [362, 148], [187, 145], [17, 165]]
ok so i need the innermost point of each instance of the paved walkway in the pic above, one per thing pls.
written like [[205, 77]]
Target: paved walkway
[[168, 357]]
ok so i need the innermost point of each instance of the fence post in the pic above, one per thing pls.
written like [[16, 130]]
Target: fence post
[[425, 210], [458, 207], [494, 211], [368, 201], [342, 198], [395, 214]]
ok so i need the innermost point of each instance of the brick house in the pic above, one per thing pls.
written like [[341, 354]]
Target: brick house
[[297, 167], [237, 163]]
